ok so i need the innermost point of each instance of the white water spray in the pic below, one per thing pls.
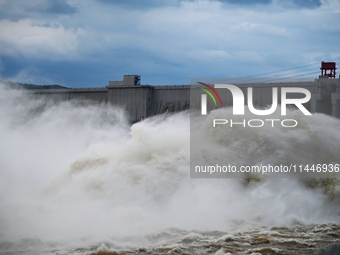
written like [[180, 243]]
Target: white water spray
[[76, 175]]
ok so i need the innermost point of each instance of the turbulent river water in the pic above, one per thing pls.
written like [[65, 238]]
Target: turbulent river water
[[77, 178]]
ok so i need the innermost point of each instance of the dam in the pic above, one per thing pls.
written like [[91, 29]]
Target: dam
[[142, 101]]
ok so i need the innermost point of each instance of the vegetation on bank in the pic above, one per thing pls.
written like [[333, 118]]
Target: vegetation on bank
[[18, 85]]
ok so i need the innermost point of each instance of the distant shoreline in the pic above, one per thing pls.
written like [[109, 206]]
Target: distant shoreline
[[18, 85]]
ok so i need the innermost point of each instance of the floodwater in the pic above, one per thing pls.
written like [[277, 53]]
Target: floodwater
[[78, 179]]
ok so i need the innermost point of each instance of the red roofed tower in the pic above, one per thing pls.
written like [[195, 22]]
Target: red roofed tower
[[328, 69]]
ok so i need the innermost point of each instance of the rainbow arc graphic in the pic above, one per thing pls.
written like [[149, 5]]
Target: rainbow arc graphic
[[211, 91]]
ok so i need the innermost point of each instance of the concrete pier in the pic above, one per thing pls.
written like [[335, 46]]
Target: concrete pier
[[336, 99]]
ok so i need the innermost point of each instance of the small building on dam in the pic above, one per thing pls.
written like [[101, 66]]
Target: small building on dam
[[142, 101]]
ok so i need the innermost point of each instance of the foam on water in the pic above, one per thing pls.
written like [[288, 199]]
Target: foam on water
[[75, 175]]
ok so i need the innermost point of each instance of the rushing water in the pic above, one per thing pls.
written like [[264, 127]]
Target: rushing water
[[78, 179]]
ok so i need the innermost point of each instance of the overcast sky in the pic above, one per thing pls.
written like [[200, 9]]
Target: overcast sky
[[86, 43]]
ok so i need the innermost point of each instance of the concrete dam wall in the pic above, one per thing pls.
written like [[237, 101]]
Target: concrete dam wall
[[142, 101]]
